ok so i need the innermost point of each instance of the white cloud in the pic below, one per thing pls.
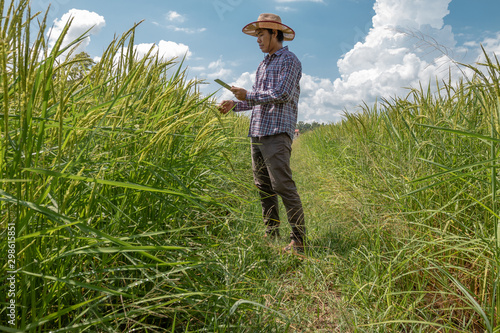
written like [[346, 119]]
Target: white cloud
[[491, 45], [407, 44], [83, 20], [186, 30], [215, 70], [173, 16], [286, 9], [410, 14], [197, 68], [319, 101], [165, 49]]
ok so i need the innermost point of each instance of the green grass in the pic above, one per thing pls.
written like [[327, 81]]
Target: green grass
[[402, 206], [135, 210], [121, 188]]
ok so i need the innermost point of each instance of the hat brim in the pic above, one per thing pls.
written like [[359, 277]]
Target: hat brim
[[251, 28]]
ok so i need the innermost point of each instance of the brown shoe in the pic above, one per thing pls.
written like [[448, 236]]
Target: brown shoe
[[294, 246]]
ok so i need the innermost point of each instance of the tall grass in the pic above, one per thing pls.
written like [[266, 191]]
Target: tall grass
[[120, 183], [127, 192], [421, 172]]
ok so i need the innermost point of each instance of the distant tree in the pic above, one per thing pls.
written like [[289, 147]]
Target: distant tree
[[81, 64], [304, 127]]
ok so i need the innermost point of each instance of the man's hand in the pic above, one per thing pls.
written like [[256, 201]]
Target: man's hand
[[239, 93], [226, 106]]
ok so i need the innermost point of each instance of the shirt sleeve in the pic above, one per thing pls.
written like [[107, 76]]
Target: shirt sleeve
[[280, 92], [241, 106]]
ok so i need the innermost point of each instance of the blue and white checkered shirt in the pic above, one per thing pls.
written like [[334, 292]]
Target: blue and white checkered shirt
[[274, 98]]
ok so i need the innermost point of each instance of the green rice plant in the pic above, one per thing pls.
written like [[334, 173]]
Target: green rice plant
[[420, 175], [119, 180]]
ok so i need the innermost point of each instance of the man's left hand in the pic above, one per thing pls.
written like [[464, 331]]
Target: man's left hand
[[239, 93]]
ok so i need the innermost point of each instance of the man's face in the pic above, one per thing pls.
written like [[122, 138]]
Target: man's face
[[265, 40]]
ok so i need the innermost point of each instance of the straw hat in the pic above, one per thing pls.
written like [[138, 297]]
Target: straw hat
[[269, 21]]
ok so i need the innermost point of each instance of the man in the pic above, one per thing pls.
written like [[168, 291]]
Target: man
[[274, 104]]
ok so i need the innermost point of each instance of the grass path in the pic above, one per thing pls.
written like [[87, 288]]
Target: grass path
[[320, 293], [308, 290]]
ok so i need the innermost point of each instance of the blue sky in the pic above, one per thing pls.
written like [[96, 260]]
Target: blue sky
[[351, 50]]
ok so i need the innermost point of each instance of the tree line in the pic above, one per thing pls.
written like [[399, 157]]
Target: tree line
[[304, 127]]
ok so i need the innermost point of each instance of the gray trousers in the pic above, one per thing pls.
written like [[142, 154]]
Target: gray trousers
[[273, 177]]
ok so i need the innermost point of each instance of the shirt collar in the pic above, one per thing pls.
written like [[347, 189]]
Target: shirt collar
[[277, 53]]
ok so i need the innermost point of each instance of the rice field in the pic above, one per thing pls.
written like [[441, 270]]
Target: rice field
[[414, 185], [116, 188], [127, 203]]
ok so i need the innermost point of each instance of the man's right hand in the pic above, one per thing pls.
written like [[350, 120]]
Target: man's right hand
[[226, 106]]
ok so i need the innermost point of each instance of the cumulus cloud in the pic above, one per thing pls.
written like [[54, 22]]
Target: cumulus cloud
[[165, 49], [319, 100], [218, 70], [398, 50], [491, 45], [83, 20], [410, 14], [173, 16], [407, 44], [215, 70]]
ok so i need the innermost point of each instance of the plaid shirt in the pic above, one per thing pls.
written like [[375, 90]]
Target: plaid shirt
[[274, 98]]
